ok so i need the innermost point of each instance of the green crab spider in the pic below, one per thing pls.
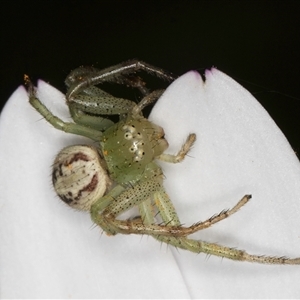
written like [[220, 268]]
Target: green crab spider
[[122, 173]]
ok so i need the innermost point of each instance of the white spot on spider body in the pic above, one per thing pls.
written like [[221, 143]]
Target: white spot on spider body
[[79, 177], [137, 142]]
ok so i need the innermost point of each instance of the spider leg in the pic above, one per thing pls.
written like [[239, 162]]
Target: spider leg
[[169, 216], [88, 107], [186, 147], [57, 122], [98, 102], [85, 119], [105, 211], [136, 82], [84, 73], [106, 217], [147, 100], [115, 73]]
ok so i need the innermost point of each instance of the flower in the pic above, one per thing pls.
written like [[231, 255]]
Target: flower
[[49, 250]]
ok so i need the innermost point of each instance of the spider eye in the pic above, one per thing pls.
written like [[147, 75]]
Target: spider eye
[[79, 177], [128, 136]]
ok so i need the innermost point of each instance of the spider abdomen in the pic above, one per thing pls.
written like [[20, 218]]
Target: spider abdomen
[[79, 176]]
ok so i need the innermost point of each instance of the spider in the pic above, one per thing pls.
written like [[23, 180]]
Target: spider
[[122, 172]]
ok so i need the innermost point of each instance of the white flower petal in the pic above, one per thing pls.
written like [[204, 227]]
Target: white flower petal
[[239, 150]]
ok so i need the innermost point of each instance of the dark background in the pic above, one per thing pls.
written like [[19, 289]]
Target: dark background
[[255, 42]]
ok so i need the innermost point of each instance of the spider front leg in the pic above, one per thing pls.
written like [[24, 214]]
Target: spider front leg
[[106, 210], [98, 102], [87, 109], [57, 122], [117, 73], [84, 73]]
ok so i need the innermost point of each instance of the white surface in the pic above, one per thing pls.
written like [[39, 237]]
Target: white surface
[[48, 250]]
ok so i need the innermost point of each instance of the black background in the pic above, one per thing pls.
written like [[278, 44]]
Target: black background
[[255, 42]]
